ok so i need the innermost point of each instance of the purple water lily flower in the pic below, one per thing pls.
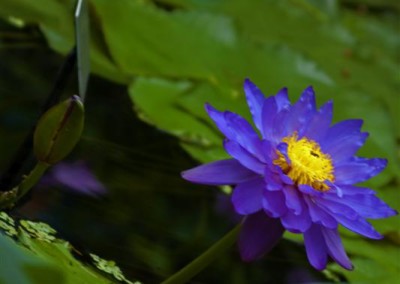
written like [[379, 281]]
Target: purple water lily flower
[[297, 174], [75, 176]]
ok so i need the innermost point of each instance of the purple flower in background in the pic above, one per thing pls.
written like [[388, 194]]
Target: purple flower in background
[[75, 176], [297, 175]]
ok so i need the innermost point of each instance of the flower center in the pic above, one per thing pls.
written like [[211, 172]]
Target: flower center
[[307, 164]]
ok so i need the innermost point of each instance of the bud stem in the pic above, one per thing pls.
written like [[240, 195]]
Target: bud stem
[[205, 259], [31, 179]]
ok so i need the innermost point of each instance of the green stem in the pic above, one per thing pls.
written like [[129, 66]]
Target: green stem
[[205, 259], [31, 179]]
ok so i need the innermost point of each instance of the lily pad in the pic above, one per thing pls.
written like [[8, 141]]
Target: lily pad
[[38, 256]]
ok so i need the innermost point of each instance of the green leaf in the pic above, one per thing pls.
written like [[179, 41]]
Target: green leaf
[[391, 225], [38, 256], [56, 22], [156, 102], [373, 262], [24, 267], [153, 42]]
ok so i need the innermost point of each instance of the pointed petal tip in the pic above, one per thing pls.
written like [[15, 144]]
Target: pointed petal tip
[[356, 123], [247, 257], [283, 90], [373, 234], [319, 266], [329, 103], [348, 266], [247, 81], [383, 163], [308, 94], [377, 165], [249, 85], [208, 107], [390, 212], [309, 88], [378, 236], [221, 172], [188, 175]]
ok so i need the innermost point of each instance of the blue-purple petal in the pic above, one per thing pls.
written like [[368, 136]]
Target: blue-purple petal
[[367, 205], [269, 152], [280, 130], [336, 206], [346, 146], [338, 130], [223, 172], [348, 189], [358, 170], [309, 190], [316, 249], [247, 196], [255, 100], [245, 158], [284, 178], [335, 248], [272, 181], [301, 112], [258, 236], [283, 149], [268, 114], [359, 226], [293, 199], [319, 124], [282, 99], [274, 203], [296, 223], [76, 176], [319, 215], [236, 128], [308, 98]]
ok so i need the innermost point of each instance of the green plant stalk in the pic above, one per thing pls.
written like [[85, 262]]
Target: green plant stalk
[[205, 259], [31, 179]]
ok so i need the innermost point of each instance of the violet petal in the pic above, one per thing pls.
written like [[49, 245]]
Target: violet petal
[[316, 249], [335, 248], [255, 100], [319, 215], [244, 157], [258, 236], [247, 196], [223, 172], [342, 128], [236, 128], [274, 203], [358, 170], [296, 223], [319, 123], [359, 226], [367, 205]]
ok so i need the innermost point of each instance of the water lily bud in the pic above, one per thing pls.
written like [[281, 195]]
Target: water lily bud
[[58, 130]]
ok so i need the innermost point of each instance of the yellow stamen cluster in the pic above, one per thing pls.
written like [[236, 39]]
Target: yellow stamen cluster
[[308, 164]]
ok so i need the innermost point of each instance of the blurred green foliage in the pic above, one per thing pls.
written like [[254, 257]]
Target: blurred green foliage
[[175, 55]]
